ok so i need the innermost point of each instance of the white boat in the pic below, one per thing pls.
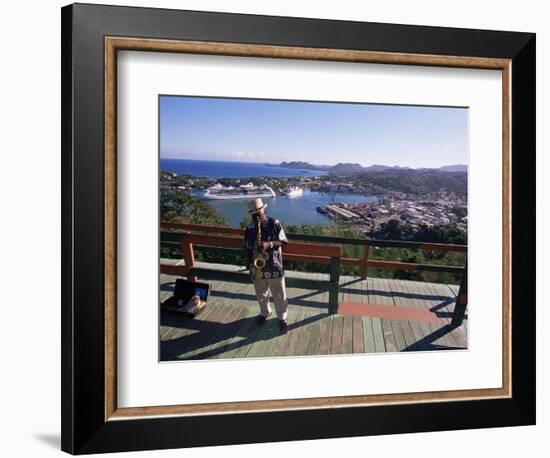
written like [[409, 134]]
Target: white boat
[[245, 191], [294, 191]]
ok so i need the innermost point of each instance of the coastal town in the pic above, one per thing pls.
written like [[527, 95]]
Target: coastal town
[[445, 209], [422, 205]]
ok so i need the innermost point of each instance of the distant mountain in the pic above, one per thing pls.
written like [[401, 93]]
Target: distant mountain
[[346, 168], [445, 168], [354, 168], [349, 168], [377, 168], [381, 168], [300, 165], [296, 165], [454, 168]]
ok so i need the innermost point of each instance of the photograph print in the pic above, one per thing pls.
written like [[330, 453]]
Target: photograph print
[[296, 228]]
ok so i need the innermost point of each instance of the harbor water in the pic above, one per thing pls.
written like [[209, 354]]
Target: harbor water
[[289, 210]]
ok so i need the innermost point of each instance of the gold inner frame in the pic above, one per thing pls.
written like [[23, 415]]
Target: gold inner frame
[[112, 45]]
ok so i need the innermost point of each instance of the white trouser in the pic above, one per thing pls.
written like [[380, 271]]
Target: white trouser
[[278, 292]]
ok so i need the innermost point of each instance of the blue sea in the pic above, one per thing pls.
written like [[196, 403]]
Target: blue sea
[[226, 169], [289, 210]]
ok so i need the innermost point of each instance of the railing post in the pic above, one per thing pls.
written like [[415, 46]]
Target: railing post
[[365, 266], [188, 255], [334, 285], [461, 300]]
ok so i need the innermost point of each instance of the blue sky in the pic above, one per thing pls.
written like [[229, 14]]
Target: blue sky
[[317, 132]]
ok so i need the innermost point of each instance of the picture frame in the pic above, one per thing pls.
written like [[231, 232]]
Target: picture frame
[[91, 37]]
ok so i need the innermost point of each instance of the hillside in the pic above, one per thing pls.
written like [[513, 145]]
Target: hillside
[[412, 181]]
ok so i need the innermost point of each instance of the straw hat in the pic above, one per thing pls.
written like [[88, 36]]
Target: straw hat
[[256, 205]]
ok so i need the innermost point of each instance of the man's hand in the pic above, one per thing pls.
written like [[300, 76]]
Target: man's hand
[[264, 246]]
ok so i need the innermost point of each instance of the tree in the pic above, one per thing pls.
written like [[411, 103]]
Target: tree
[[179, 206]]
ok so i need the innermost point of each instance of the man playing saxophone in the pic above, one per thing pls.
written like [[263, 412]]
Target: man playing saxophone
[[263, 239]]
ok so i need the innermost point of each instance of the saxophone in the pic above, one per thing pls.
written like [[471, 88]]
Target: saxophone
[[259, 258]]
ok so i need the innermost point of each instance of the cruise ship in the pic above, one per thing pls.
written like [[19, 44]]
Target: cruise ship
[[244, 191], [293, 191]]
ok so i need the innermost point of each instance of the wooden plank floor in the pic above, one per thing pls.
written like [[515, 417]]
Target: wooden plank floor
[[227, 328]]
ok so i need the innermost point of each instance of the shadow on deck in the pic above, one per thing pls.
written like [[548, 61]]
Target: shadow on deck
[[376, 315]]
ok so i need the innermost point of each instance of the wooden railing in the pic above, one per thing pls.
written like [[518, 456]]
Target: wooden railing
[[317, 249], [295, 251], [171, 238]]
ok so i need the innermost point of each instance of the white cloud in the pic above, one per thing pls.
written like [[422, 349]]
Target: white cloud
[[237, 155], [246, 155]]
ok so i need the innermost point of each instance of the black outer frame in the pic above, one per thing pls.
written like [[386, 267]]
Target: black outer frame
[[84, 429]]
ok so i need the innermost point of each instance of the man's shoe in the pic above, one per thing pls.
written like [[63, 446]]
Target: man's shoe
[[261, 318], [283, 325]]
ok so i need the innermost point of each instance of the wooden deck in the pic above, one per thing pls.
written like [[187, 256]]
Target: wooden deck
[[376, 315]]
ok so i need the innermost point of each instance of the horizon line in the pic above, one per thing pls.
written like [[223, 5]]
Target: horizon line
[[310, 163]]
